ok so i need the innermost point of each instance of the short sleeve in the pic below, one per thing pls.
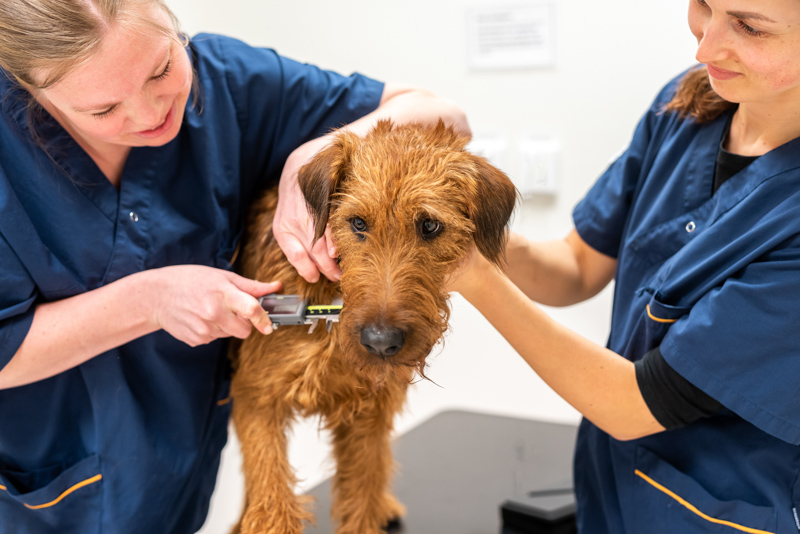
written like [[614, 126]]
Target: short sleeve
[[739, 343], [601, 215], [282, 103], [17, 296]]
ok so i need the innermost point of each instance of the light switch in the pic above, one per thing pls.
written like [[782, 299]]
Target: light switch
[[493, 148]]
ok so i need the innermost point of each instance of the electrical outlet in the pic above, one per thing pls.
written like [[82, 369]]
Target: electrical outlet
[[538, 166]]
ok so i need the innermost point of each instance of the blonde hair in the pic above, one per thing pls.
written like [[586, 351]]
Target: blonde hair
[[696, 98], [52, 37]]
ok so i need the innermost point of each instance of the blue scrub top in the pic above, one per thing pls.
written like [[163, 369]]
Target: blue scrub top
[[715, 281], [130, 440]]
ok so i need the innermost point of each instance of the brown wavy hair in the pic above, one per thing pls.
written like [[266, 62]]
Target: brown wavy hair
[[696, 98]]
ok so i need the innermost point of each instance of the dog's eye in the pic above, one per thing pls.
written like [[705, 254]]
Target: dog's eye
[[358, 225], [429, 229]]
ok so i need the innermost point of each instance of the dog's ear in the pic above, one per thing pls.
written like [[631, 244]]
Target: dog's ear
[[320, 177], [491, 210]]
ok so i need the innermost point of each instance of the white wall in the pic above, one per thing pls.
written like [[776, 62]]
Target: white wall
[[612, 57]]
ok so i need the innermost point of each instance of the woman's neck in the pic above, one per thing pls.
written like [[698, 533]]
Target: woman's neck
[[109, 158], [759, 128], [111, 163]]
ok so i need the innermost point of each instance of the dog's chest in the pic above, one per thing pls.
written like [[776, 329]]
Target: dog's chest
[[331, 387]]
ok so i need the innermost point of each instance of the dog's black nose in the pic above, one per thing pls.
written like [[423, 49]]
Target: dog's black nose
[[382, 340]]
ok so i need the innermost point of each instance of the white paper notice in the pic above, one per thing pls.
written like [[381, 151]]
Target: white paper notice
[[511, 36]]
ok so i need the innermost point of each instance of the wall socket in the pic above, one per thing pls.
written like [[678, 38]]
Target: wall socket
[[538, 166]]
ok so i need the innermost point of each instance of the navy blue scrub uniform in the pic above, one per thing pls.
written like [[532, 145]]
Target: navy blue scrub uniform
[[714, 280], [129, 442]]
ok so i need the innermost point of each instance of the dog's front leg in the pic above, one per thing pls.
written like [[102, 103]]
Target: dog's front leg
[[362, 502], [272, 506]]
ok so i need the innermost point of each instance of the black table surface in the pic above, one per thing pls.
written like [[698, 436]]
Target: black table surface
[[456, 469]]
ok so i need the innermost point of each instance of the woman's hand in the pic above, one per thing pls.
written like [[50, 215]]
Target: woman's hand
[[292, 226], [471, 275], [197, 304]]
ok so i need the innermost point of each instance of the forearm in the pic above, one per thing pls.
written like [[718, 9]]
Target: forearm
[[560, 272], [71, 331], [401, 105], [405, 104], [193, 303], [596, 381], [545, 271]]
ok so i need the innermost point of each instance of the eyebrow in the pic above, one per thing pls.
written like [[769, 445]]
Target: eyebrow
[[749, 15], [112, 104]]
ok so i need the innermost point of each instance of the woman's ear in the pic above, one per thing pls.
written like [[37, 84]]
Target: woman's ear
[[320, 178]]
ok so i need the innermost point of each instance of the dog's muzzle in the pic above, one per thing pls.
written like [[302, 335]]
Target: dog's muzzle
[[382, 340]]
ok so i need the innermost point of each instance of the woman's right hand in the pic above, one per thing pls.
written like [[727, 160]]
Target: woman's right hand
[[197, 304], [194, 304]]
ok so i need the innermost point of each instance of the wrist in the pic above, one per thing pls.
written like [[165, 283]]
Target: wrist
[[480, 277], [141, 294]]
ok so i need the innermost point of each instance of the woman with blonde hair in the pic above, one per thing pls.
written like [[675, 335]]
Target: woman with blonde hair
[[692, 410], [128, 156]]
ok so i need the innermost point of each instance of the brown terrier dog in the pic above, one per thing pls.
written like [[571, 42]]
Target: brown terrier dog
[[405, 205]]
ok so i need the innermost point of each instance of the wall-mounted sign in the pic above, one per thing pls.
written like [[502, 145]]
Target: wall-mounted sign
[[511, 35]]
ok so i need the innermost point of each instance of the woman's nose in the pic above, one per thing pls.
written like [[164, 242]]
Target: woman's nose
[[713, 43], [148, 111]]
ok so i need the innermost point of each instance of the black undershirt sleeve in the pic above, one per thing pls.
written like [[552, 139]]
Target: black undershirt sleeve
[[673, 400]]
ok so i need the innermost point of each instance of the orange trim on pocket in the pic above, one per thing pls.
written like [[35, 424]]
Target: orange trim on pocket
[[77, 486], [3, 488], [223, 402], [235, 254], [658, 319], [693, 508]]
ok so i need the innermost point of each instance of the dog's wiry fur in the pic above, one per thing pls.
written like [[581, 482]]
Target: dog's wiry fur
[[393, 277]]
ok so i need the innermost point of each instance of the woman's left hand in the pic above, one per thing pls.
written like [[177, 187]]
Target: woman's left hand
[[293, 227]]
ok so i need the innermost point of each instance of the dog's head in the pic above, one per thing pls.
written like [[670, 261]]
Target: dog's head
[[405, 205]]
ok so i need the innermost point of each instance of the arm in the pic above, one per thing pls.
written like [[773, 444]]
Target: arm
[[194, 304], [560, 272], [594, 380], [405, 104], [292, 225]]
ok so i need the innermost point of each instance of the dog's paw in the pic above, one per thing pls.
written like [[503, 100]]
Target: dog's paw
[[383, 519], [393, 526], [392, 512]]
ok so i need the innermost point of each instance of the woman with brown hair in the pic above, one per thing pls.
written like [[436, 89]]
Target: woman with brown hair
[[692, 410], [128, 156]]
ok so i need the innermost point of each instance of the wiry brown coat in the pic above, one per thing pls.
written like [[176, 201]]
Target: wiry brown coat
[[423, 201]]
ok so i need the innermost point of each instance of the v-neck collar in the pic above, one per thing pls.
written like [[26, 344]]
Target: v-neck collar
[[82, 171], [75, 164], [773, 163]]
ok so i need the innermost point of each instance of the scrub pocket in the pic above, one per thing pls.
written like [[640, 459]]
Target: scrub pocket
[[669, 501], [70, 503], [658, 318], [654, 322]]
